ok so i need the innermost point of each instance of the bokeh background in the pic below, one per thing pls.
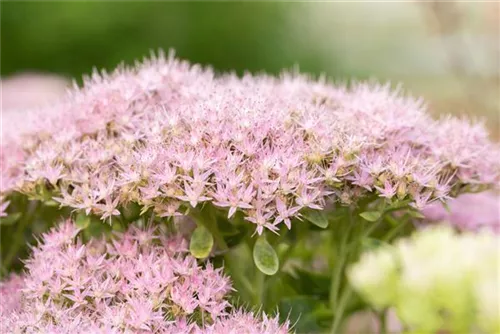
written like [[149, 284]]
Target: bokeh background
[[446, 52]]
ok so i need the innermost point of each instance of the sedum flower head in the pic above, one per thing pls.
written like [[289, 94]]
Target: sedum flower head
[[169, 135], [140, 282], [438, 281]]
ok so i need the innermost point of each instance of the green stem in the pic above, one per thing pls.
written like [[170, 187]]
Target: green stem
[[240, 281], [338, 273], [395, 231], [339, 312], [348, 252], [372, 228], [207, 218], [336, 278], [286, 255], [259, 288], [383, 322], [338, 267]]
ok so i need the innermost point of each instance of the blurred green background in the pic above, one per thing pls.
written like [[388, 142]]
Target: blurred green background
[[447, 52]]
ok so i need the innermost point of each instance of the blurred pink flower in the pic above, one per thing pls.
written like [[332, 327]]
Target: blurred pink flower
[[468, 211], [28, 90], [363, 322]]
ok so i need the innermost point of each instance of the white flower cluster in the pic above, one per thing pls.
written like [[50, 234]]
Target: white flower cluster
[[437, 281]]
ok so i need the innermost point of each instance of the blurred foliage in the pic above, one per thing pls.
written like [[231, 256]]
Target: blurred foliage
[[70, 38], [446, 52]]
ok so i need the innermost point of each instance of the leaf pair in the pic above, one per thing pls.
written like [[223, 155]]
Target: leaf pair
[[264, 255]]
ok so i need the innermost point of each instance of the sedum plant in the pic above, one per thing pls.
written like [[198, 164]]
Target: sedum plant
[[282, 182]]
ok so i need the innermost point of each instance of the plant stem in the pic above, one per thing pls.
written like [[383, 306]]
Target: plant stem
[[394, 231], [372, 228], [284, 258], [339, 312], [238, 276], [207, 218], [383, 322], [336, 305], [336, 278], [349, 249], [259, 288]]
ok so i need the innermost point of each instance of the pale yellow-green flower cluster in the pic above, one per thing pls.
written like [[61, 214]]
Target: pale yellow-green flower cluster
[[437, 281]]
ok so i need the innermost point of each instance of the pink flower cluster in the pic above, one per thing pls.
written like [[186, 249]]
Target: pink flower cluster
[[168, 135], [140, 282]]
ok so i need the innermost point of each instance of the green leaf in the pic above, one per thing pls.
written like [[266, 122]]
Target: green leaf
[[82, 220], [10, 219], [318, 218], [371, 216], [416, 214], [201, 242], [51, 203], [265, 257]]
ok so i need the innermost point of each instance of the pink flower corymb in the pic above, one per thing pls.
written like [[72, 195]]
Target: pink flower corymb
[[170, 136]]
